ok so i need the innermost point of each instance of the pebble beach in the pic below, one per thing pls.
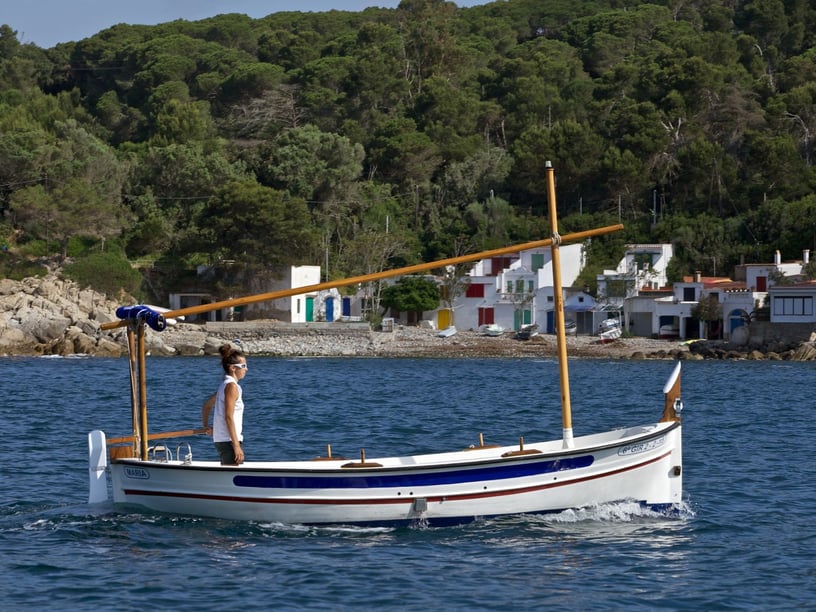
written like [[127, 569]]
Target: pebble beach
[[403, 341]]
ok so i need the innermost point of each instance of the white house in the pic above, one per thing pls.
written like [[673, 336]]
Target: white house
[[669, 314], [673, 316], [630, 290], [293, 309], [793, 303], [643, 266], [760, 276], [513, 290]]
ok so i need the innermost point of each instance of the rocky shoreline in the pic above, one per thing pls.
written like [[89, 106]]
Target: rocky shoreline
[[52, 316]]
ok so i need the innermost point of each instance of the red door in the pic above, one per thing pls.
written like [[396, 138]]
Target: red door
[[486, 316]]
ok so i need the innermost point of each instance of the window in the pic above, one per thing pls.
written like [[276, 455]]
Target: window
[[497, 264], [689, 294], [793, 306], [475, 291]]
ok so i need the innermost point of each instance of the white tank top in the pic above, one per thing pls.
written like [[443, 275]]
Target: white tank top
[[220, 431]]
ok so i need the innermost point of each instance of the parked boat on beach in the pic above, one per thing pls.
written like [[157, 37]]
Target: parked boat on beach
[[527, 332], [641, 463], [609, 330], [491, 330], [668, 332]]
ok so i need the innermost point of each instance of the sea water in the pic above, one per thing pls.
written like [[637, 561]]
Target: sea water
[[745, 539]]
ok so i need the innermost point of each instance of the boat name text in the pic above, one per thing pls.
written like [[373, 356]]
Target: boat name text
[[642, 447], [136, 472]]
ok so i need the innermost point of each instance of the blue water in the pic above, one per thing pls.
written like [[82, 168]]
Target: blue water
[[745, 541]]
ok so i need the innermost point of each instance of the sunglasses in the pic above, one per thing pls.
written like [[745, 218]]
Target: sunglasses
[[240, 366]]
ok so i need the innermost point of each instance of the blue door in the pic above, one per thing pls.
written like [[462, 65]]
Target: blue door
[[330, 309]]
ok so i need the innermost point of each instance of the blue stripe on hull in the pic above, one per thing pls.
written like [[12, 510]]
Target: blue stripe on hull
[[425, 479], [667, 508]]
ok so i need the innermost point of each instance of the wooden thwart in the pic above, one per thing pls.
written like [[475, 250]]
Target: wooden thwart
[[481, 444], [160, 435], [363, 463], [329, 456], [522, 451]]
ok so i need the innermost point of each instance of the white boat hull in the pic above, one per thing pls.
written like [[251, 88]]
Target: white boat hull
[[491, 330], [610, 335], [641, 464]]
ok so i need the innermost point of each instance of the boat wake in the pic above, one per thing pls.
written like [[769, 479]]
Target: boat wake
[[619, 512], [283, 529]]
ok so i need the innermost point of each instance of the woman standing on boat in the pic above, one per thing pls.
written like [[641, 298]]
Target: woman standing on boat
[[228, 418]]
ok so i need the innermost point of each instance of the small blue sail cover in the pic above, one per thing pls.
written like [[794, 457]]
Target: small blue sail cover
[[142, 313]]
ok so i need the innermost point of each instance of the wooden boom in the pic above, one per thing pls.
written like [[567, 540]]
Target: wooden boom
[[423, 267]]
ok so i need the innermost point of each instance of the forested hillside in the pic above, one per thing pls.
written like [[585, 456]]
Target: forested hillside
[[373, 139]]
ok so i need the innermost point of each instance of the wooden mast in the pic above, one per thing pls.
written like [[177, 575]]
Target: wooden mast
[[134, 392], [558, 296], [423, 267], [140, 337]]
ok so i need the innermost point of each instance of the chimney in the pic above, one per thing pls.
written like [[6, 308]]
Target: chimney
[[698, 276], [777, 258], [806, 256]]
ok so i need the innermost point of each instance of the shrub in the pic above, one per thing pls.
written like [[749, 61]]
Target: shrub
[[108, 273], [18, 268]]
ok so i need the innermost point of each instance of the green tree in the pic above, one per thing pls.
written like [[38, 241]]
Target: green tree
[[411, 294], [169, 190], [259, 228], [80, 195], [709, 311], [429, 39]]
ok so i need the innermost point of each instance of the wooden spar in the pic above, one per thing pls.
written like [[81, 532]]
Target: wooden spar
[[560, 330], [423, 267], [160, 435], [134, 394], [142, 392]]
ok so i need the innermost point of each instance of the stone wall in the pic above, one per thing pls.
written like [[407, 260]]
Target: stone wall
[[765, 333]]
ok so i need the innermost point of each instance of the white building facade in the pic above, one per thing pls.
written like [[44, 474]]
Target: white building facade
[[515, 290]]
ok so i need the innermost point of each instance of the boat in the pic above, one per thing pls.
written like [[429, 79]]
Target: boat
[[609, 330], [570, 327], [668, 332], [491, 329], [447, 332], [527, 331], [640, 463]]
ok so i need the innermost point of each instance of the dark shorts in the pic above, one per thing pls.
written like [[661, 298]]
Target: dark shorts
[[226, 452]]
